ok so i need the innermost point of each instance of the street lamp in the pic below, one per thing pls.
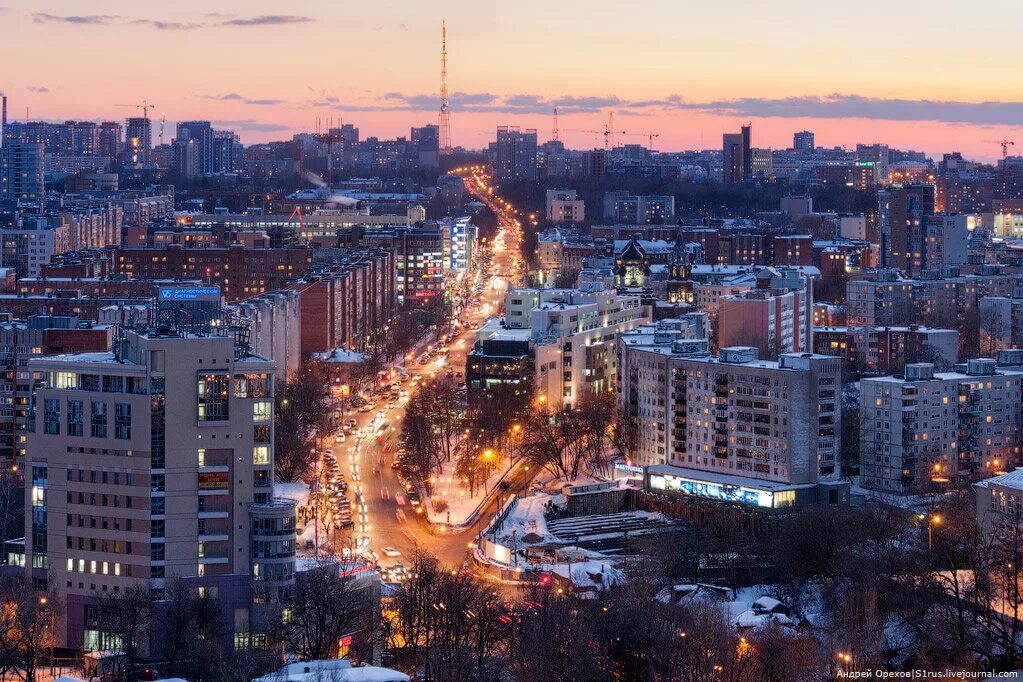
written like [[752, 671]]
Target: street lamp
[[934, 520]]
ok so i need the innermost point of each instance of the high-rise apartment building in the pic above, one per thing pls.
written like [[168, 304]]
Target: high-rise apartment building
[[110, 139], [944, 242], [22, 340], [901, 212], [227, 152], [729, 427], [513, 155], [564, 206], [138, 141], [573, 333], [426, 141], [200, 133], [153, 464], [921, 429], [21, 170], [877, 154], [737, 156], [628, 209], [775, 318], [803, 141]]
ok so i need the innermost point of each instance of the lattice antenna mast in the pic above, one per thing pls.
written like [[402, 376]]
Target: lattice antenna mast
[[445, 113], [554, 133]]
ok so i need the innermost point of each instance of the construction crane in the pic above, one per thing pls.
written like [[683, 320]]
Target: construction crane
[[608, 132], [649, 136], [145, 106], [330, 137], [1005, 146]]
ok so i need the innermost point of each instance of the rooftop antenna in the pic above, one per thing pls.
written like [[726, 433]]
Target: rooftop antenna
[[445, 113], [554, 133]]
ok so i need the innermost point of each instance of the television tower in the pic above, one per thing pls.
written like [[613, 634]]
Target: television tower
[[445, 113]]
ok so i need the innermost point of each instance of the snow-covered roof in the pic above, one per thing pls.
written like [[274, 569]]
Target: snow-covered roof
[[755, 619], [598, 575], [1012, 479]]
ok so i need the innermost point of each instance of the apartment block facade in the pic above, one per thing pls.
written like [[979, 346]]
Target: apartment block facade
[[153, 464], [921, 429]]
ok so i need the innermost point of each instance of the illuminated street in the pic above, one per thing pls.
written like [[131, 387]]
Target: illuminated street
[[381, 513]]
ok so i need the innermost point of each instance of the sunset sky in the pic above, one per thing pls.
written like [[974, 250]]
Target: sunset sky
[[935, 76]]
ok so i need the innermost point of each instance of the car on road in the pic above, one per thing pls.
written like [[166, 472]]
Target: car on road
[[365, 407], [339, 438], [396, 464], [413, 498], [390, 552]]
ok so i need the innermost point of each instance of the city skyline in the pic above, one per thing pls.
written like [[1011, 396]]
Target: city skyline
[[659, 68]]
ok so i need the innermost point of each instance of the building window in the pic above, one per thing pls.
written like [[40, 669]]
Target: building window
[[65, 380], [214, 396], [261, 433], [122, 421], [98, 423], [51, 417], [262, 411], [252, 385], [75, 417], [261, 454]]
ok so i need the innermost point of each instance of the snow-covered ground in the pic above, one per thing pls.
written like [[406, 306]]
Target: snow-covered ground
[[455, 492], [527, 517]]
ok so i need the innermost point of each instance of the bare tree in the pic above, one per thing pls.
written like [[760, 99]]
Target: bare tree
[[562, 442], [124, 618], [597, 418], [12, 507], [449, 625], [187, 624], [433, 425], [325, 608], [27, 630], [566, 278]]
